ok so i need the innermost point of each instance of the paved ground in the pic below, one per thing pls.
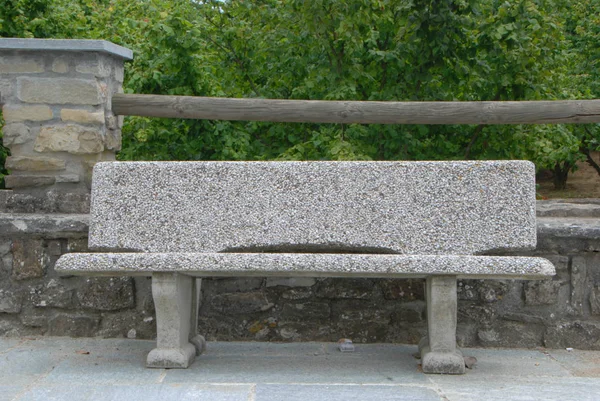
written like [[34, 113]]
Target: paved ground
[[96, 369]]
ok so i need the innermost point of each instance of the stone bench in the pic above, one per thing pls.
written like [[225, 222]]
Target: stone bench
[[177, 221]]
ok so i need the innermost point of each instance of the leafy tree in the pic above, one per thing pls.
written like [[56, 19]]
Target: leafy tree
[[342, 50]]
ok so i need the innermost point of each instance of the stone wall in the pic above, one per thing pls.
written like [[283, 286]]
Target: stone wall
[[56, 105], [557, 313]]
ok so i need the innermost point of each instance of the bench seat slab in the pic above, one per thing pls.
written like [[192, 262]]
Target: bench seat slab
[[305, 264]]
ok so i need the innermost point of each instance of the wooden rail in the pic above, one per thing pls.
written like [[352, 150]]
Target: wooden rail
[[323, 111]]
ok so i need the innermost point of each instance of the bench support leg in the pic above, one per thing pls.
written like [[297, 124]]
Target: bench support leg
[[196, 339], [172, 293], [439, 353]]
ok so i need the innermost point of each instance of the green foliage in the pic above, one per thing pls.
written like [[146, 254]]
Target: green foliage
[[342, 50]]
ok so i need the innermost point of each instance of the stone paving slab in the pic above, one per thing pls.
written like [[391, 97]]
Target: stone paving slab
[[579, 363], [9, 393], [279, 392], [96, 369], [519, 389], [155, 392]]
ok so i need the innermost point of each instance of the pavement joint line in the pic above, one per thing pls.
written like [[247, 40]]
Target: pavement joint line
[[34, 383], [162, 376], [327, 384], [252, 393], [22, 342]]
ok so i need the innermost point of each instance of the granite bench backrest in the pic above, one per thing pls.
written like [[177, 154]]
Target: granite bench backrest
[[461, 208]]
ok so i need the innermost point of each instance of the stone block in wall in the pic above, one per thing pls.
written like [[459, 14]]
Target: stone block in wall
[[339, 288], [560, 262], [53, 295], [82, 116], [356, 312], [403, 289], [98, 68], [16, 134], [543, 292], [7, 89], [595, 301], [290, 281], [60, 65], [21, 65], [297, 293], [18, 113], [28, 181], [22, 163], [75, 139], [410, 312], [77, 245], [120, 324], [487, 291], [240, 303], [107, 293], [34, 318], [73, 325], [51, 202], [577, 334], [10, 301], [309, 311], [509, 333], [578, 284], [29, 259], [227, 285], [58, 91]]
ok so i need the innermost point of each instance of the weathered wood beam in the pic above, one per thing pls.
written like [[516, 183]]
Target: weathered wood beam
[[323, 111]]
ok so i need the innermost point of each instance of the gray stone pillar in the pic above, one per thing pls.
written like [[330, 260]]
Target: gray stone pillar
[[172, 293], [56, 104], [439, 353]]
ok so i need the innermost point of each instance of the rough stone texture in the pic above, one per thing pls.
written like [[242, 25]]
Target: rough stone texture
[[393, 207], [29, 259], [406, 290], [10, 65], [34, 164], [542, 293], [16, 113], [73, 325], [506, 321], [53, 295], [15, 134], [50, 202], [595, 301], [60, 65], [241, 303], [305, 311], [295, 264], [58, 91], [575, 334], [345, 289], [290, 281], [107, 294], [82, 116], [578, 278], [45, 84], [75, 139], [10, 301], [28, 181]]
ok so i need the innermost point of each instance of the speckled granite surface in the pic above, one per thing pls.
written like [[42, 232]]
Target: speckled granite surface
[[337, 207], [302, 264]]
